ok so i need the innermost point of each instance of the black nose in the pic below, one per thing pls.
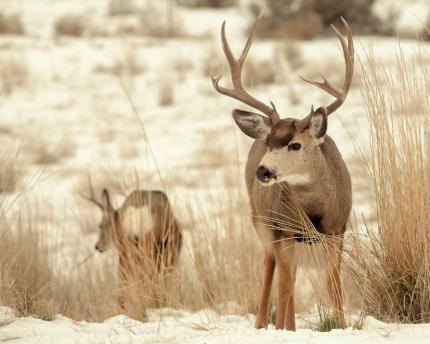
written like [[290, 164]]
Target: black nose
[[98, 248], [264, 175]]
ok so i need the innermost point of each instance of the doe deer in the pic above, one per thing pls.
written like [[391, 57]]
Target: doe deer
[[144, 231], [293, 161]]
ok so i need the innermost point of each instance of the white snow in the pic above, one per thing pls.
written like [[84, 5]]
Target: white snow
[[172, 326], [69, 101]]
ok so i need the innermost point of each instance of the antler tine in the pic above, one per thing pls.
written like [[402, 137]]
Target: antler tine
[[348, 54], [238, 92], [250, 39], [91, 198]]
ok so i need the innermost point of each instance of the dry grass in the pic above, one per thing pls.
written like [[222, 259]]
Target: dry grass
[[160, 21], [291, 53], [208, 3], [44, 152], [392, 264], [214, 269], [127, 64], [11, 24], [70, 25], [25, 274], [166, 92], [258, 73], [10, 174], [13, 73], [121, 7]]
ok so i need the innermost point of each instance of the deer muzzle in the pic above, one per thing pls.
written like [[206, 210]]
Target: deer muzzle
[[265, 175]]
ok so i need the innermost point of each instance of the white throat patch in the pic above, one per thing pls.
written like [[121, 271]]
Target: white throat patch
[[295, 179], [137, 221]]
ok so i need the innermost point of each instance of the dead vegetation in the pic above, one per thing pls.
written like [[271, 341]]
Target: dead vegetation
[[208, 3], [13, 73], [121, 7], [166, 92], [127, 64], [307, 19], [258, 73], [73, 25], [389, 256], [43, 152], [11, 24], [25, 274]]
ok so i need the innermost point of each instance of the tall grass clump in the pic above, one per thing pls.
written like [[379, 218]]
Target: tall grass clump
[[219, 267], [393, 264], [25, 273]]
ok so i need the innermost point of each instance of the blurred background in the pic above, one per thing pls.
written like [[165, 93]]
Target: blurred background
[[120, 90]]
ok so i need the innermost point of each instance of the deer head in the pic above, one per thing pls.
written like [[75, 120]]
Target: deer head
[[292, 144], [109, 224]]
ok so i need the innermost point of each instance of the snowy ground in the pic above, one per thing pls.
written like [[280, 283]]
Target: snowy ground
[[73, 106], [170, 326]]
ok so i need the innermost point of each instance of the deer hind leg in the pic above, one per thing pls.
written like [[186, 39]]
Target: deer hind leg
[[285, 317], [334, 253], [269, 268]]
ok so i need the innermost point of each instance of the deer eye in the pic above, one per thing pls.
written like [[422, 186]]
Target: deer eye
[[294, 146]]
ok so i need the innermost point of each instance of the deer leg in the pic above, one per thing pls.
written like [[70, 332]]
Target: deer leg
[[285, 308], [269, 268], [333, 278]]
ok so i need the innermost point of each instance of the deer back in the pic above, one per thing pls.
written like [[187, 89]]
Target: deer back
[[147, 211]]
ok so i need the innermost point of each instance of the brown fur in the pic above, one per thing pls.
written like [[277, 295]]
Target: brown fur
[[156, 251], [327, 197], [302, 171]]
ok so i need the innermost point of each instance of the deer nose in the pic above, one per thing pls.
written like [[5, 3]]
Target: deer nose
[[264, 175], [98, 248]]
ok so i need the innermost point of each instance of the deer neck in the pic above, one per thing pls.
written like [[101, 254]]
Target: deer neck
[[315, 182]]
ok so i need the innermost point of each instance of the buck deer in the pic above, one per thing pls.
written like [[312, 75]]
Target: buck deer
[[144, 231], [293, 162]]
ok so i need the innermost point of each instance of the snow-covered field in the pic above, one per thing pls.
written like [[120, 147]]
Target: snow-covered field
[[71, 114], [171, 326]]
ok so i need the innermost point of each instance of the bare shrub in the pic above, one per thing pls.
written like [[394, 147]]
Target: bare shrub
[[157, 21], [390, 264], [182, 65], [291, 53], [70, 25], [44, 152], [121, 7], [306, 19], [11, 24], [285, 20], [259, 73], [13, 73], [211, 63], [208, 3], [166, 92], [127, 64]]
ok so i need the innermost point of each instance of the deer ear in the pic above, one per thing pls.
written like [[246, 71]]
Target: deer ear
[[252, 124], [318, 124], [106, 205]]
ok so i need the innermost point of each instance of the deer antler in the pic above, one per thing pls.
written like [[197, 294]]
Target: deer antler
[[91, 197], [348, 54], [238, 92]]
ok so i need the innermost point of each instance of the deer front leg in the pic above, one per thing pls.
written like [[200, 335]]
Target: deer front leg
[[333, 277], [285, 308], [269, 268]]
